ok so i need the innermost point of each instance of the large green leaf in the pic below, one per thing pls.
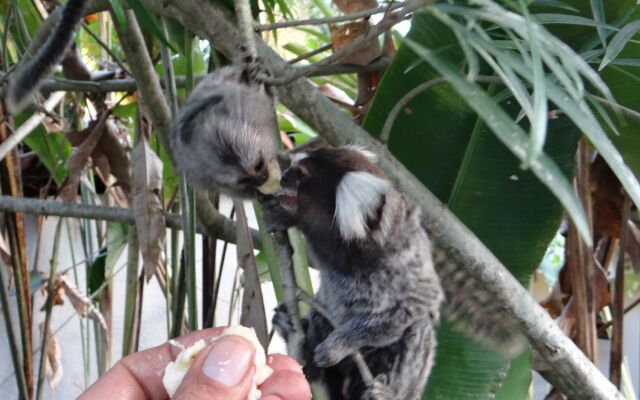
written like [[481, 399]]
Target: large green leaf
[[449, 148]]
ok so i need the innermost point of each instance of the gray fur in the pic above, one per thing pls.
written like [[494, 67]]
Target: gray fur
[[223, 131], [381, 289]]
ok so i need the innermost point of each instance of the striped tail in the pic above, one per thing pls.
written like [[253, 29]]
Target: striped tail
[[29, 75], [474, 311]]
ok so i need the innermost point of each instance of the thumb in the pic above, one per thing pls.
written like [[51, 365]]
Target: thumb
[[222, 371]]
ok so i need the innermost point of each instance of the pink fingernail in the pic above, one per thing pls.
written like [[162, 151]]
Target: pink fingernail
[[228, 361]]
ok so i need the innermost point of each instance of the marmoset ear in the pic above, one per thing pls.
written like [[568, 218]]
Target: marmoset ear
[[359, 197]]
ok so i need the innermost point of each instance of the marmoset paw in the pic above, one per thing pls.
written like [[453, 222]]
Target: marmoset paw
[[282, 321], [330, 352], [379, 389]]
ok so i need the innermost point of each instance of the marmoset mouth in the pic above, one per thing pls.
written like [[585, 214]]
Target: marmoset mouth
[[288, 198]]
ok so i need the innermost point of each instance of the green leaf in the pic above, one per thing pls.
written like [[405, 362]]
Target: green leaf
[[511, 136], [118, 11], [96, 274], [618, 43], [52, 150], [598, 15], [446, 145], [149, 23]]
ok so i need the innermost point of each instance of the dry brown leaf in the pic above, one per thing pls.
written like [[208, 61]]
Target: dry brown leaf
[[81, 303], [351, 6], [607, 199], [147, 208], [253, 314], [78, 159], [52, 364], [343, 35]]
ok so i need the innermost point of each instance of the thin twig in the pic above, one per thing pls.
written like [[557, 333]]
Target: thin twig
[[223, 228], [102, 44], [384, 25], [29, 125], [365, 372], [331, 20], [312, 53], [129, 85]]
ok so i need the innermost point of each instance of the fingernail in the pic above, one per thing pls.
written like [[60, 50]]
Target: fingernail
[[228, 361]]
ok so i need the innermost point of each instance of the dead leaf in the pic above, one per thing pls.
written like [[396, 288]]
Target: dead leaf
[[335, 94], [78, 159], [351, 6], [253, 314], [607, 199], [147, 208], [52, 364], [343, 35], [81, 303]]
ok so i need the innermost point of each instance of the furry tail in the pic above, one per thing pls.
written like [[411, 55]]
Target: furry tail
[[27, 77], [476, 312]]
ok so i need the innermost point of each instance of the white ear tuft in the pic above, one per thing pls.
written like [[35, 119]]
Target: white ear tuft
[[298, 157], [371, 156], [358, 197]]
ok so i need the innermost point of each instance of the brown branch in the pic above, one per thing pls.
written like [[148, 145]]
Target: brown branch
[[223, 228], [331, 20], [381, 27]]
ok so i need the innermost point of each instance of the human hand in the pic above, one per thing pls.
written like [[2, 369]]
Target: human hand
[[139, 376]]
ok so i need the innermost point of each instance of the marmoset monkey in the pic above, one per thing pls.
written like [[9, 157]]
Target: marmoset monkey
[[29, 75], [377, 276], [224, 136]]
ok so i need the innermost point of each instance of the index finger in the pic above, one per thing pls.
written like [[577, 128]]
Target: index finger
[[139, 375]]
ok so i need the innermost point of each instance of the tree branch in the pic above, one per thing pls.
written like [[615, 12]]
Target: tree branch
[[129, 85], [582, 378], [223, 228], [331, 20], [381, 27]]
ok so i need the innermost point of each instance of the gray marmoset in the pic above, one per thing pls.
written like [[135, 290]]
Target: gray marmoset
[[377, 275], [378, 279], [224, 136], [29, 75]]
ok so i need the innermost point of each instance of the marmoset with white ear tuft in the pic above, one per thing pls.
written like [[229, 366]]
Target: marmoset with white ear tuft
[[378, 279], [224, 136], [377, 276]]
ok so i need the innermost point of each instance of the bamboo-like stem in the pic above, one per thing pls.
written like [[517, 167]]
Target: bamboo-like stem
[[13, 342], [615, 364], [53, 271], [131, 289]]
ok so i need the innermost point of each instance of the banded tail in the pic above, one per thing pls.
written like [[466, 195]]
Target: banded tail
[[29, 75], [474, 311]]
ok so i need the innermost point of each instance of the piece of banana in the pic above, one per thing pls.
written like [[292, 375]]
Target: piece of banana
[[272, 185], [176, 370]]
